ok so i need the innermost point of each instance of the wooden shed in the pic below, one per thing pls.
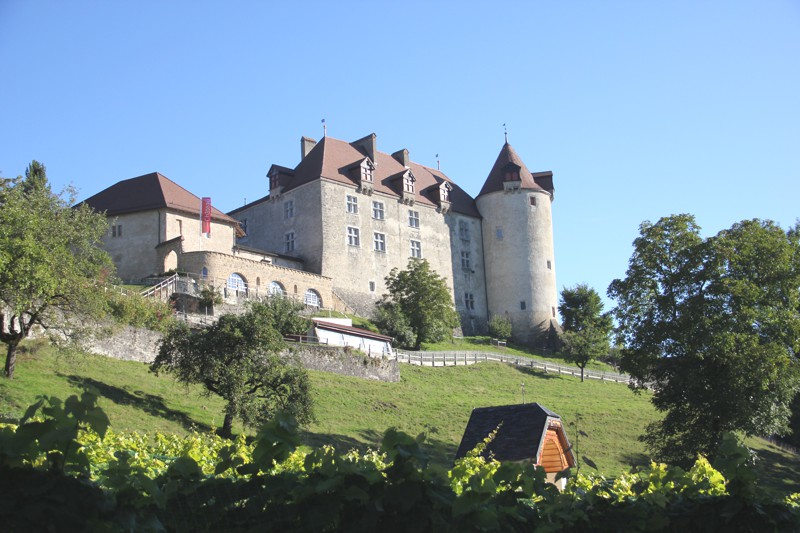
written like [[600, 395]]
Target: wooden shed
[[527, 432]]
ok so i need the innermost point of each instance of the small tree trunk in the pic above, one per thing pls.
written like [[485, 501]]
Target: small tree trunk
[[582, 373], [227, 426], [11, 359]]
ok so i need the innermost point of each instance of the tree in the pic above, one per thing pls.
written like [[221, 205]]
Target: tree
[[713, 327], [238, 358], [50, 262], [586, 327], [422, 297]]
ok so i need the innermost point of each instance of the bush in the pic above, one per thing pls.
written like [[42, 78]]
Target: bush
[[137, 311], [500, 327]]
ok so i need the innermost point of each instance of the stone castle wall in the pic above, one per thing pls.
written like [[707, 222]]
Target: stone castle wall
[[135, 344]]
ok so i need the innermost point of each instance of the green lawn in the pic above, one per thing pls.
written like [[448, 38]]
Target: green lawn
[[602, 419], [483, 344]]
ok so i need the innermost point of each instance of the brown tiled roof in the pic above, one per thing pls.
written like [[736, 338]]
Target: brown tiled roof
[[538, 180], [334, 159], [519, 438], [151, 191]]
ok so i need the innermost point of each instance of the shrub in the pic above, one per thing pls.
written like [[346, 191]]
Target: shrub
[[500, 327]]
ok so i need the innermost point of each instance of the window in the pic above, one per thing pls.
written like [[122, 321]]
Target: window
[[463, 230], [116, 230], [533, 200], [469, 301], [273, 180], [553, 309], [380, 242], [549, 265], [353, 237], [522, 305], [352, 204], [413, 219], [416, 249], [408, 183], [204, 273], [465, 261], [288, 210], [377, 210], [180, 227], [371, 286], [236, 283], [366, 171], [499, 233], [313, 298], [288, 241], [275, 288]]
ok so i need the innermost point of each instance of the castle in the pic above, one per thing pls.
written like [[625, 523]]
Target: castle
[[334, 226]]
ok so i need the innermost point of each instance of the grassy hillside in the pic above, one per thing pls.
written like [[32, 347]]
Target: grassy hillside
[[603, 420]]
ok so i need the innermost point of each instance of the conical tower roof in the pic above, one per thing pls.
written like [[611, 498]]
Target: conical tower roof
[[508, 158]]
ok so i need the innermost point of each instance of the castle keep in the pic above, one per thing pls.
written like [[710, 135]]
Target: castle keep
[[333, 227]]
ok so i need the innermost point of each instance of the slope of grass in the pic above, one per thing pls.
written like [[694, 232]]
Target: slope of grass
[[483, 344], [603, 420]]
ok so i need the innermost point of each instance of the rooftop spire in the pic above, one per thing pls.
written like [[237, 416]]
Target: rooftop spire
[[505, 131]]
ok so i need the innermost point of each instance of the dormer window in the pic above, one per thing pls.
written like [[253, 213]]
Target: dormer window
[[511, 172], [367, 171], [444, 192], [273, 180], [408, 182]]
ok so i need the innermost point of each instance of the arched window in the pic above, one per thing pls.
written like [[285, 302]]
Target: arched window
[[313, 298], [277, 289], [236, 283], [204, 273]]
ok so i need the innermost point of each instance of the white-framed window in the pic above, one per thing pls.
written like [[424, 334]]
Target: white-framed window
[[379, 240], [408, 183], [377, 210], [275, 288], [463, 230], [413, 219], [353, 237], [288, 209], [352, 204], [288, 242], [416, 249], [466, 262], [116, 230], [469, 301], [313, 298], [236, 283], [367, 171]]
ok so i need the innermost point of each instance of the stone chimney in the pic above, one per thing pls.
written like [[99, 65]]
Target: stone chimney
[[402, 157], [369, 145], [306, 144]]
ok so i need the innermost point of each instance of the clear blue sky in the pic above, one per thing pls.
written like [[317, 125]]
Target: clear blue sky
[[641, 109]]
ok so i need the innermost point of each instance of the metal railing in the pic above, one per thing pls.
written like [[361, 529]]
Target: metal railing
[[435, 359]]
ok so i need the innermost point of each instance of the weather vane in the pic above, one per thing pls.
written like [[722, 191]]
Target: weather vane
[[437, 162], [505, 131], [324, 128]]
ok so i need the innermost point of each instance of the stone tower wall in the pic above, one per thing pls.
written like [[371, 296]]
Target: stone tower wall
[[520, 260]]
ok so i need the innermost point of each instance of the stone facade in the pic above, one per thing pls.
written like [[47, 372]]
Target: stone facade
[[257, 275], [146, 243]]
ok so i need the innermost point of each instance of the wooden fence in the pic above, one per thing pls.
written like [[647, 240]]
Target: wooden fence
[[468, 358]]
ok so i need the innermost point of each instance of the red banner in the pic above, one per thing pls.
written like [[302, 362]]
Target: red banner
[[205, 214]]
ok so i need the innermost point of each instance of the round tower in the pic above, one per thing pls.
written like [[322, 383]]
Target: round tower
[[518, 248]]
